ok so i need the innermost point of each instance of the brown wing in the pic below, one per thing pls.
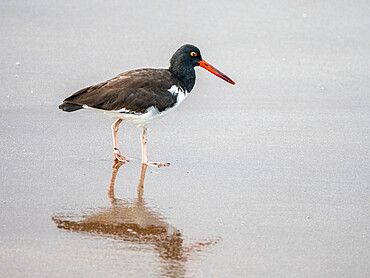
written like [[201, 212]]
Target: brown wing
[[135, 90]]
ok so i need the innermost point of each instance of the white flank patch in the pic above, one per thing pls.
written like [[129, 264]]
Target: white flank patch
[[181, 95], [144, 120], [124, 110]]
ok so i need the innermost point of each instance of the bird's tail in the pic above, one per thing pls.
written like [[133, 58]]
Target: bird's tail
[[70, 107]]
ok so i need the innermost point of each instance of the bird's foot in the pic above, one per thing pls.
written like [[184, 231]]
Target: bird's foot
[[117, 154], [157, 164]]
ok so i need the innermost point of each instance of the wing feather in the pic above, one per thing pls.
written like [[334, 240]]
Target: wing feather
[[134, 91]]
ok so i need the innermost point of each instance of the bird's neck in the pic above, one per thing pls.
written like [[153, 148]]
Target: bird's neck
[[186, 74]]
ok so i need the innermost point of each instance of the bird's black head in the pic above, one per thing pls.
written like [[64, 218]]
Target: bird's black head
[[183, 62], [187, 55]]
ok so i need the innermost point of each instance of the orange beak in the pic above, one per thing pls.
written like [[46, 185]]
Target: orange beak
[[215, 71]]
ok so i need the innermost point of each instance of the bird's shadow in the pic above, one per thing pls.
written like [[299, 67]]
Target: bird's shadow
[[133, 220]]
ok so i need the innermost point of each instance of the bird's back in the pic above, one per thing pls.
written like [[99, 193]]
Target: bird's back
[[133, 92]]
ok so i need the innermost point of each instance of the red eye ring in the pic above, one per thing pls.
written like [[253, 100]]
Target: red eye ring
[[193, 54]]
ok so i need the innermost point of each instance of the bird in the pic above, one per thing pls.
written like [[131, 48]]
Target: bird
[[142, 96]]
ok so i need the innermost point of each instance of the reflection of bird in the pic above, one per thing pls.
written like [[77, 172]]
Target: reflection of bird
[[144, 95], [135, 221], [129, 220], [140, 188]]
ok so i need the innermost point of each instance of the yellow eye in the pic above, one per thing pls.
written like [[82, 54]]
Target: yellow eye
[[193, 54]]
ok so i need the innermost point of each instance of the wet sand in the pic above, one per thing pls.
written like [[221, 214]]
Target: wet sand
[[268, 178]]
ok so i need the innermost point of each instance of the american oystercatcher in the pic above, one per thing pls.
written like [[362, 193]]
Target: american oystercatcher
[[144, 95]]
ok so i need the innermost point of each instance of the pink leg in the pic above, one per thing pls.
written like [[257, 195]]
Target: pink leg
[[116, 152], [144, 156]]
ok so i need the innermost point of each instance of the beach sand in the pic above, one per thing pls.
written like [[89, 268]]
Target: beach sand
[[268, 178]]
